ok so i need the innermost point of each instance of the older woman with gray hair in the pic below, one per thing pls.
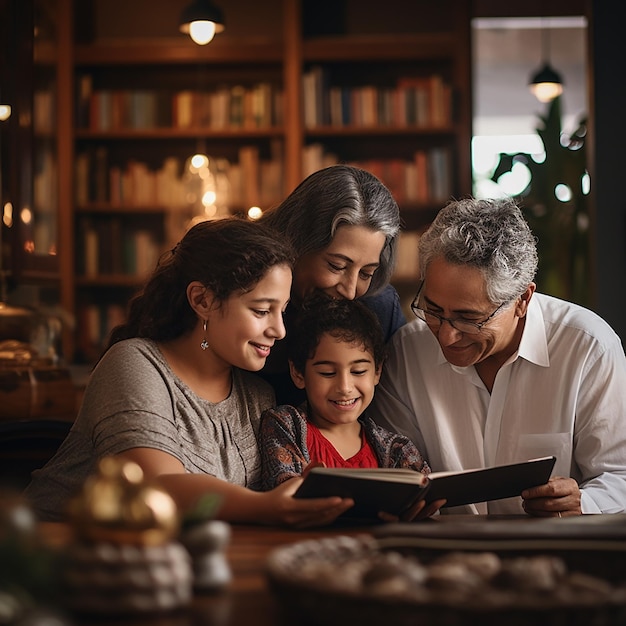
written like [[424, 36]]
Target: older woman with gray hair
[[492, 372]]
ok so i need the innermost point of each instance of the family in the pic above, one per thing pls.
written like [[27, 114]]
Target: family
[[259, 349]]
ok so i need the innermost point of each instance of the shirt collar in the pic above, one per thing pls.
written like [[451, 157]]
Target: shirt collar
[[534, 346]]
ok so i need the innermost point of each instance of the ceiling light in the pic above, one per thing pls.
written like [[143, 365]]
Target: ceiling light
[[201, 20], [546, 84]]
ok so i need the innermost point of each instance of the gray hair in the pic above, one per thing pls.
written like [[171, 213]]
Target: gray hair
[[491, 235], [332, 197]]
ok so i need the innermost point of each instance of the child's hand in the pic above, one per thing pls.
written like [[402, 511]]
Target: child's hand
[[418, 511]]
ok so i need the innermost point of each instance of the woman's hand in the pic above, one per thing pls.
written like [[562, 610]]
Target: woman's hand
[[559, 497], [283, 508]]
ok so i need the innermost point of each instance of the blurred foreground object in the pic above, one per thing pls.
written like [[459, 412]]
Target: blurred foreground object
[[206, 540], [126, 558], [28, 570]]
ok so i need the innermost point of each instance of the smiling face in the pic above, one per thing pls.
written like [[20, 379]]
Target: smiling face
[[457, 291], [343, 269], [243, 330], [339, 381]]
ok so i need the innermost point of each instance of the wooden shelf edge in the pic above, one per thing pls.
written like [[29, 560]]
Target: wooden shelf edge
[[125, 209], [328, 131], [168, 51], [180, 133], [380, 47], [110, 280]]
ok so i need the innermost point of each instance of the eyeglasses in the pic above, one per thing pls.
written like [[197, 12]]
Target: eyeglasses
[[434, 320]]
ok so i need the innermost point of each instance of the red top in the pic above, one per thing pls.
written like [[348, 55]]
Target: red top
[[321, 450]]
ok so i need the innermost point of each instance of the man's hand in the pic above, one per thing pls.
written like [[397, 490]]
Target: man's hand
[[559, 497]]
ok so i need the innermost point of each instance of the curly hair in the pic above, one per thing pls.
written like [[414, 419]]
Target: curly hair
[[227, 256], [334, 196], [349, 321], [491, 235]]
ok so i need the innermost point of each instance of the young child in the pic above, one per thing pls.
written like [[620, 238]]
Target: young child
[[174, 391], [336, 352]]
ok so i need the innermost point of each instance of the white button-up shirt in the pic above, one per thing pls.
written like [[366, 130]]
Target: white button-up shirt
[[563, 393]]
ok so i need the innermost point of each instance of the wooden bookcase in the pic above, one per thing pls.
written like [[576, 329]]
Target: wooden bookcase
[[327, 82]]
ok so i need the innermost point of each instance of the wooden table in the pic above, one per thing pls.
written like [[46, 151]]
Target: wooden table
[[247, 600]]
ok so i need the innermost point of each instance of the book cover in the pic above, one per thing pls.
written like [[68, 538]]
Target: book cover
[[489, 483], [373, 490], [395, 490]]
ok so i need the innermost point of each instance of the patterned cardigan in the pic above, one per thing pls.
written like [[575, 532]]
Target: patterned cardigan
[[282, 440]]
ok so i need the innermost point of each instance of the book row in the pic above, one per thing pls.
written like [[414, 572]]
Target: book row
[[95, 322], [425, 178], [111, 245], [226, 107], [424, 101], [407, 265], [250, 181]]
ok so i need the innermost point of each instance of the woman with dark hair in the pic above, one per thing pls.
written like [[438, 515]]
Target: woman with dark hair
[[174, 391], [343, 224]]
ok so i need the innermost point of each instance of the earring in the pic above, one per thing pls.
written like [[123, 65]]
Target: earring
[[205, 344]]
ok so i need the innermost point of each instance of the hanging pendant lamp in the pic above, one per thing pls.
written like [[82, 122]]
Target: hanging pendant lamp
[[546, 84], [201, 20]]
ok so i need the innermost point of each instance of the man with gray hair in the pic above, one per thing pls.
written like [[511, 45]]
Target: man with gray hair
[[492, 372]]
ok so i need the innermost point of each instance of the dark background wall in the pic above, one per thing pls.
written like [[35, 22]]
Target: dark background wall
[[608, 137]]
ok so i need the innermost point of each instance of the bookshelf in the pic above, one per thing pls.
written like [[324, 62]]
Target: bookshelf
[[391, 94]]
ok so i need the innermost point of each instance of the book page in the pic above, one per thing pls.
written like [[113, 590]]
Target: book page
[[389, 474]]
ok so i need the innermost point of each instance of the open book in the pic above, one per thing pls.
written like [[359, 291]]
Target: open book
[[396, 490]]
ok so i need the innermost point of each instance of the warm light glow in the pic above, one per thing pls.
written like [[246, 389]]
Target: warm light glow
[[7, 215], [202, 31], [26, 215], [198, 161], [209, 198], [5, 112], [254, 212], [546, 92]]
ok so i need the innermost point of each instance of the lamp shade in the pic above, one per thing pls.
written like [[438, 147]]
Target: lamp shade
[[546, 84], [201, 19]]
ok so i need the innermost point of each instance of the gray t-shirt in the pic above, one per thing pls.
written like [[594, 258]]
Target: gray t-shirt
[[134, 400]]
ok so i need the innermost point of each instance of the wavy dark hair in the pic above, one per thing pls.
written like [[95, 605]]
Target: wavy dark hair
[[227, 256], [347, 320], [332, 197]]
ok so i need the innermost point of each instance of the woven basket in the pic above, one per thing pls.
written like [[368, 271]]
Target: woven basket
[[309, 578]]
